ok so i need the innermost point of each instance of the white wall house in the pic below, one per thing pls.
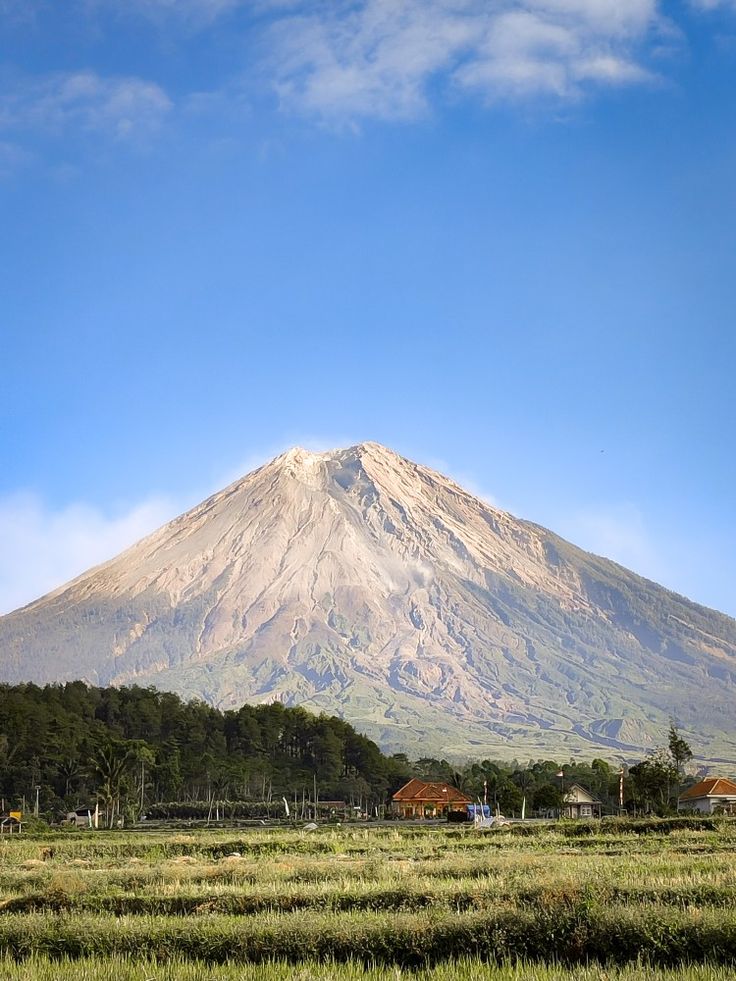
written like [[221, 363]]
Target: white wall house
[[713, 794], [579, 803]]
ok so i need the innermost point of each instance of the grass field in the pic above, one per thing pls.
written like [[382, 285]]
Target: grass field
[[613, 902]]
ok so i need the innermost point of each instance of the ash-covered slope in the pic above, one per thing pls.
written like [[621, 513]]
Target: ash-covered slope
[[358, 582]]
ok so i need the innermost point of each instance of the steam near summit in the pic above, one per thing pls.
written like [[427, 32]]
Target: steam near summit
[[358, 582]]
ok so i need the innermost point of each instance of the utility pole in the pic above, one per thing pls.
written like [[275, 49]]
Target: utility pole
[[36, 808], [143, 784]]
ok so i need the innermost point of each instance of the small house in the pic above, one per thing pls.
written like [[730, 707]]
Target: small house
[[579, 803], [83, 817], [708, 796], [419, 799], [11, 824]]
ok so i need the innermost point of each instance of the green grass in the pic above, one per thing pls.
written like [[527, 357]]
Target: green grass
[[38, 968], [575, 932], [402, 899]]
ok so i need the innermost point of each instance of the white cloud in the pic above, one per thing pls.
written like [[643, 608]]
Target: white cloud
[[42, 548], [713, 4], [118, 107], [348, 60], [373, 60], [382, 58], [527, 53]]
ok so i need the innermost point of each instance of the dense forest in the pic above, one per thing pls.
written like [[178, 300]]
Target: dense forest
[[139, 751]]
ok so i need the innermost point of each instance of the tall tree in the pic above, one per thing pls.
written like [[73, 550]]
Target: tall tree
[[110, 762], [680, 752], [679, 748], [652, 781]]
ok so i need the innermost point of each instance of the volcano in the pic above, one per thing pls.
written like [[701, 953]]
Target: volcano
[[359, 583]]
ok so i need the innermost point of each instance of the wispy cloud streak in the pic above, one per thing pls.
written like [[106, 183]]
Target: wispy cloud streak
[[118, 107]]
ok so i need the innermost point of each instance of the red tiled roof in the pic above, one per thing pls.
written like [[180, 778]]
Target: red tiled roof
[[712, 787], [418, 790]]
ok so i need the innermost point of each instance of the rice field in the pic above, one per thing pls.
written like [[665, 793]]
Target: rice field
[[551, 903]]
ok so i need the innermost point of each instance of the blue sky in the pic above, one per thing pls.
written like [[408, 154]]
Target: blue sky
[[496, 236]]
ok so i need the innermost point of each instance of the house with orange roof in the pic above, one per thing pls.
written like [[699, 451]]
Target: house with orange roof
[[710, 795], [419, 799]]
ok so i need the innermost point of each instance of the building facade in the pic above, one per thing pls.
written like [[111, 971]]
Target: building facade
[[579, 803], [708, 796], [419, 799]]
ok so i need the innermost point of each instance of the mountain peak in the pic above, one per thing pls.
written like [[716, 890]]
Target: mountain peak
[[368, 448], [355, 581], [340, 465]]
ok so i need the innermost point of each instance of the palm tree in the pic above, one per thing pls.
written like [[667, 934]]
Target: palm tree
[[110, 764], [70, 769], [459, 780]]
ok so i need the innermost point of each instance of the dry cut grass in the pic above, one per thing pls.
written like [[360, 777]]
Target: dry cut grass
[[655, 902]]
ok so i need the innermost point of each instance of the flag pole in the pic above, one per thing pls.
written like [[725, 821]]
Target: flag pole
[[561, 775]]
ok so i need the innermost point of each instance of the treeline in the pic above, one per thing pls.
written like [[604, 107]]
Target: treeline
[[130, 748], [650, 786], [140, 751]]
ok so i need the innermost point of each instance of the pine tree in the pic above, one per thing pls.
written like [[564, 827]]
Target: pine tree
[[680, 752]]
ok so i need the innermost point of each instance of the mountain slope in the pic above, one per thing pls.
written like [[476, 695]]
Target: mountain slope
[[359, 582]]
